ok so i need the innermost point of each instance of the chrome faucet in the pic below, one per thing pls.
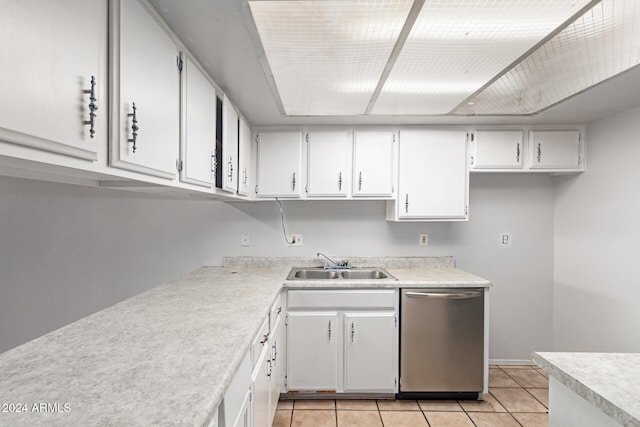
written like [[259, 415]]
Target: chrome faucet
[[345, 264]]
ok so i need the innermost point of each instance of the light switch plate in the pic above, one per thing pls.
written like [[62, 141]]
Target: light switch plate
[[245, 242]]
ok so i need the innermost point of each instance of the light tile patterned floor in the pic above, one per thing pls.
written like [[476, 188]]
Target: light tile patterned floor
[[518, 397]]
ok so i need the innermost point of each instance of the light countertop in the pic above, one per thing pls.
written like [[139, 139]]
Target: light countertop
[[167, 355], [609, 381]]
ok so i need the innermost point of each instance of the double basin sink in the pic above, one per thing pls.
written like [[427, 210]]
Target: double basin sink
[[309, 273]]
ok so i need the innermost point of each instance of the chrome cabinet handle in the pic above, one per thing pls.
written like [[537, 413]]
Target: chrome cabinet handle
[[270, 368], [353, 331], [329, 330], [244, 177], [230, 176], [539, 151], [406, 203], [275, 352], [518, 153], [293, 181], [134, 127], [360, 181], [264, 339], [340, 181], [214, 162], [92, 107]]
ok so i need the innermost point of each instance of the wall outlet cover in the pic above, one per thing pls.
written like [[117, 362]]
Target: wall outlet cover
[[245, 241], [424, 240], [296, 240]]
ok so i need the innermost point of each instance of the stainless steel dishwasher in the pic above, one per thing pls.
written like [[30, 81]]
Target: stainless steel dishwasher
[[441, 343]]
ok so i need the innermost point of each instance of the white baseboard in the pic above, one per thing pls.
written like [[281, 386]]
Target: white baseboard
[[511, 362]]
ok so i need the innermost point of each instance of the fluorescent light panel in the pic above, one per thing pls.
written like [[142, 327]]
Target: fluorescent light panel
[[327, 56], [457, 46], [602, 43]]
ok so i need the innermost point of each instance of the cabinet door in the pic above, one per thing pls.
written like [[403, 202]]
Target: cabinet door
[[328, 155], [497, 149], [279, 164], [433, 179], [244, 158], [229, 146], [370, 351], [373, 163], [199, 129], [145, 76], [555, 149], [276, 376], [261, 390], [49, 53], [312, 350], [244, 415]]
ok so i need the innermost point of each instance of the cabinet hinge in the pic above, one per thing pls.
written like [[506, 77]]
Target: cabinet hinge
[[285, 381], [395, 382], [395, 321], [394, 137], [579, 159], [306, 188], [286, 318], [472, 136], [466, 209], [307, 137], [256, 189], [257, 138], [179, 63], [179, 165]]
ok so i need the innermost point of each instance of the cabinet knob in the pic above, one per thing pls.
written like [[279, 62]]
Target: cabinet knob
[[134, 126], [92, 107]]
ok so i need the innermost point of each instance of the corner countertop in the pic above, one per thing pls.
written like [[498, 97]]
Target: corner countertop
[[609, 381], [167, 355]]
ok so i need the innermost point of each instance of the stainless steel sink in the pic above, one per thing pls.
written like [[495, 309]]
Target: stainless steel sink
[[311, 273], [365, 274]]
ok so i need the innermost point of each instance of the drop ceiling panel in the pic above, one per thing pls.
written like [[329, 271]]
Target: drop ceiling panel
[[326, 57], [602, 43], [457, 46]]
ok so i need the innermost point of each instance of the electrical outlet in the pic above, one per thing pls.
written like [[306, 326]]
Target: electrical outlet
[[296, 240], [424, 239], [245, 242], [505, 239]]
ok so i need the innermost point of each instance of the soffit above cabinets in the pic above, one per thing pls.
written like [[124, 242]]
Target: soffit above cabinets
[[439, 57]]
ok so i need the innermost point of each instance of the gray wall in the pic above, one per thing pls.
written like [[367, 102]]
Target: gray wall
[[597, 246], [67, 251]]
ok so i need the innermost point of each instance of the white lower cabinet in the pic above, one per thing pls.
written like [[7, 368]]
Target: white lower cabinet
[[235, 409], [312, 350], [342, 341], [369, 351], [260, 380]]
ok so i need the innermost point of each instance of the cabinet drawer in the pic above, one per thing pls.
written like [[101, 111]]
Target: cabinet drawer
[[371, 298], [234, 397]]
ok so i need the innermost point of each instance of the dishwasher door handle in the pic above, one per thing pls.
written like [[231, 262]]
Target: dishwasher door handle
[[436, 295]]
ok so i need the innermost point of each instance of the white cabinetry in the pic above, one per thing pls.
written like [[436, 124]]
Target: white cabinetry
[[229, 146], [312, 350], [279, 164], [497, 149], [433, 176], [244, 158], [235, 410], [555, 149], [50, 51], [342, 340], [328, 163], [373, 163], [145, 91], [369, 333], [199, 126]]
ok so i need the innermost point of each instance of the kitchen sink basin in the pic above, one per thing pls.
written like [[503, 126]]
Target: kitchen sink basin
[[319, 273]]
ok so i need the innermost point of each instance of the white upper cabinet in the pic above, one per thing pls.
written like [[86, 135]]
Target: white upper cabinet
[[329, 168], [53, 60], [373, 163], [279, 171], [145, 91], [244, 158], [229, 146], [433, 176], [199, 126], [497, 149], [555, 149]]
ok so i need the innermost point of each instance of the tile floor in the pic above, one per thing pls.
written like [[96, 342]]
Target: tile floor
[[518, 397]]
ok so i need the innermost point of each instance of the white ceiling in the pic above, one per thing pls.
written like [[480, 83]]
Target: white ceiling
[[216, 33]]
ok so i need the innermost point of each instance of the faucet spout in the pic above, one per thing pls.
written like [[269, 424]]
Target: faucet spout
[[337, 265]]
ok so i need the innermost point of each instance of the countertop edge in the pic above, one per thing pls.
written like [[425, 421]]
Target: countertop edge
[[608, 407]]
